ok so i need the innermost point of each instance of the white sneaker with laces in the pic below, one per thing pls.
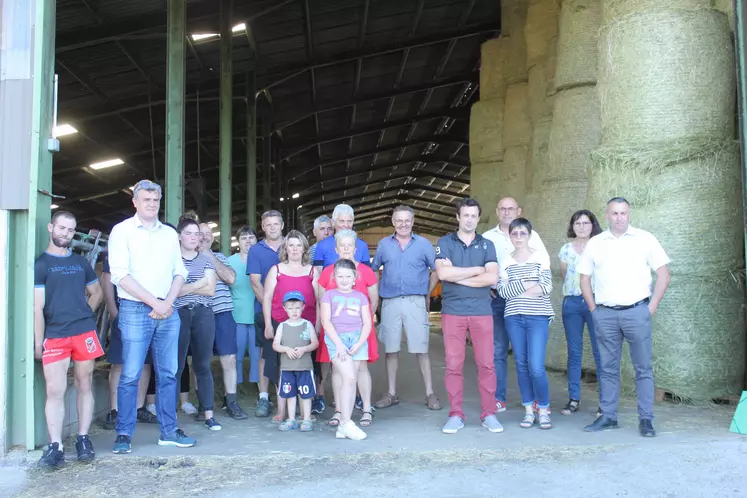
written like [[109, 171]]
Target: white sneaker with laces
[[452, 425], [189, 408], [349, 430], [491, 423], [151, 408]]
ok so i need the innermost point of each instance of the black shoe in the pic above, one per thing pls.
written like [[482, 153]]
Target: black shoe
[[234, 410], [84, 447], [602, 424], [646, 428], [122, 445], [146, 417], [200, 415], [53, 457], [110, 423]]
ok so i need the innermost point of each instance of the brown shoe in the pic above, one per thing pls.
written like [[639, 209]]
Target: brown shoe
[[431, 401], [387, 401]]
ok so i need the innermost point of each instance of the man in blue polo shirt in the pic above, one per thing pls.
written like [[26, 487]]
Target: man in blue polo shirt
[[405, 286], [466, 264], [263, 256], [326, 253]]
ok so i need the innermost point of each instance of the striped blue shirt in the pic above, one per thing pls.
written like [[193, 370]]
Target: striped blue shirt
[[511, 288], [222, 298]]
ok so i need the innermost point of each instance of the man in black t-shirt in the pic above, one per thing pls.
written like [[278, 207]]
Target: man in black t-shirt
[[65, 329]]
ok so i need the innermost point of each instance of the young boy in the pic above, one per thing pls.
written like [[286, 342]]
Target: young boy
[[295, 339]]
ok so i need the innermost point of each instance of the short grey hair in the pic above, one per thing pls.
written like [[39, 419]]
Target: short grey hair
[[403, 208], [147, 186], [272, 214], [342, 234], [322, 219], [342, 209]]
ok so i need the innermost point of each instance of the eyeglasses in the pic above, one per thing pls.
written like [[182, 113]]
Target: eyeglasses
[[582, 224], [508, 210]]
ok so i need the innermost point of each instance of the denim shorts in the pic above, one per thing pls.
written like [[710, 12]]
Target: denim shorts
[[348, 339]]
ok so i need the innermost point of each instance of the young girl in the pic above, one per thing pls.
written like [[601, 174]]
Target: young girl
[[346, 318]]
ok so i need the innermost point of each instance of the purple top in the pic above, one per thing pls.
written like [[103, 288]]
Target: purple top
[[345, 310]]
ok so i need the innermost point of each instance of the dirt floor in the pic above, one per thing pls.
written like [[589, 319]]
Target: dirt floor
[[406, 454]]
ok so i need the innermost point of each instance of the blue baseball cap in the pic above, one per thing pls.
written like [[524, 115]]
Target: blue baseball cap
[[293, 295]]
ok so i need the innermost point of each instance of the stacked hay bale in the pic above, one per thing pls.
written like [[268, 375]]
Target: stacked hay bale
[[667, 93], [573, 134]]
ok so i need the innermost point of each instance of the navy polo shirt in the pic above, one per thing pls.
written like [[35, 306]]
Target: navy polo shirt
[[326, 255], [459, 299], [406, 271], [260, 259]]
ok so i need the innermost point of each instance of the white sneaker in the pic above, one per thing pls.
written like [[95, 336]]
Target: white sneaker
[[189, 408], [151, 408], [453, 425], [350, 431]]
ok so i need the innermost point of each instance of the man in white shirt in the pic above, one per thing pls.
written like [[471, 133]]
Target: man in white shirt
[[147, 268], [507, 210], [621, 260]]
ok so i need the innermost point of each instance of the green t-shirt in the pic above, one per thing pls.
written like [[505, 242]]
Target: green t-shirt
[[241, 292]]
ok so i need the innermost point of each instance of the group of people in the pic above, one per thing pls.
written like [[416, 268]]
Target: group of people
[[301, 313]]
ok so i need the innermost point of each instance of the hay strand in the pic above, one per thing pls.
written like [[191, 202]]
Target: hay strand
[[667, 76], [577, 43], [486, 131]]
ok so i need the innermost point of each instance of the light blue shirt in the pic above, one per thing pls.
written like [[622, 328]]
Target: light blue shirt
[[406, 271]]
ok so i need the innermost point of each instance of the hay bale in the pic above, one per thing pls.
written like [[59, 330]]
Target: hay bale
[[559, 200], [518, 128], [486, 131], [727, 7], [574, 134], [577, 43], [540, 30], [698, 335], [539, 87], [512, 176], [513, 19], [667, 76], [537, 167], [492, 69], [484, 184], [615, 10]]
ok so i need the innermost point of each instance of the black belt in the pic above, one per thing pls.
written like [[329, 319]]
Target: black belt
[[618, 308]]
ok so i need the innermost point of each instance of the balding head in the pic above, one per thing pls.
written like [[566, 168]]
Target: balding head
[[508, 210]]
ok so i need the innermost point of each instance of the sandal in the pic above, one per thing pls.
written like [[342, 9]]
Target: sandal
[[307, 426], [570, 408], [387, 401], [366, 419], [278, 418], [335, 420], [528, 421], [431, 401], [544, 422]]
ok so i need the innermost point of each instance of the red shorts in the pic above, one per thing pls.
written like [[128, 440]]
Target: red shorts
[[81, 347]]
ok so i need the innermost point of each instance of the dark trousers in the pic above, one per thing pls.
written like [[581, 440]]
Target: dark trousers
[[634, 326], [271, 357], [197, 333]]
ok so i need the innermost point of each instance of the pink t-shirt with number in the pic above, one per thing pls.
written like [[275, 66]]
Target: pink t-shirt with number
[[345, 309]]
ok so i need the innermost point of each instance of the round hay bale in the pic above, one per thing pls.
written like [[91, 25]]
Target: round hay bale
[[492, 69], [537, 167], [539, 88], [512, 177], [486, 131], [614, 10], [727, 7], [484, 181], [667, 77], [698, 335], [518, 128], [577, 43], [513, 19], [540, 30], [574, 134]]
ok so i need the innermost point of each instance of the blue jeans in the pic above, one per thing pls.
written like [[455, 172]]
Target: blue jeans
[[138, 332], [246, 339], [575, 314], [528, 334], [500, 348]]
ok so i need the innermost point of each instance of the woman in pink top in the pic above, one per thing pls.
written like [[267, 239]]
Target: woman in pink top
[[294, 273]]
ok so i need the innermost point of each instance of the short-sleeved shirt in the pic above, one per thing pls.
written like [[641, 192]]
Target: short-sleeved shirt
[[326, 254], [312, 252], [406, 271], [105, 269], [64, 280], [241, 292], [195, 271], [572, 282], [621, 266], [261, 258], [458, 299], [222, 301], [345, 309]]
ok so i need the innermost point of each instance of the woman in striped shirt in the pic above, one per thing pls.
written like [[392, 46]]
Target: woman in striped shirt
[[525, 283], [195, 307]]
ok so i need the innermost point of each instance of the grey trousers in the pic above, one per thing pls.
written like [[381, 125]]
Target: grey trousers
[[633, 325]]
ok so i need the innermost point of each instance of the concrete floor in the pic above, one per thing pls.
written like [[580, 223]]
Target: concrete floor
[[693, 455]]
